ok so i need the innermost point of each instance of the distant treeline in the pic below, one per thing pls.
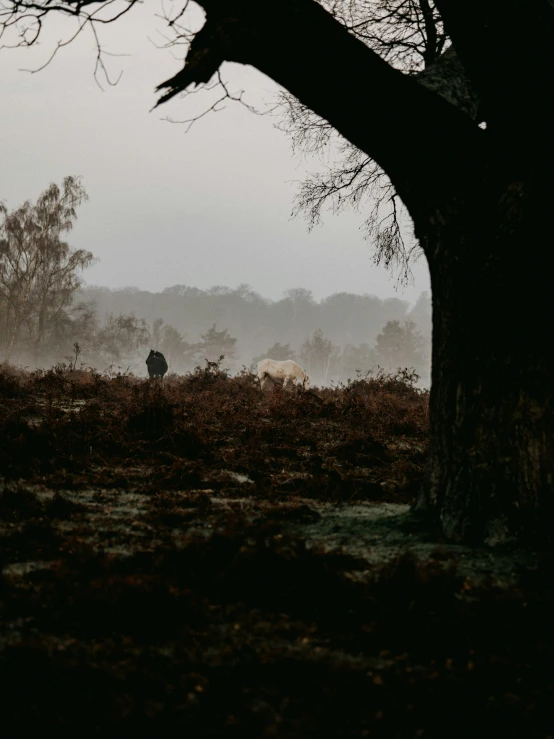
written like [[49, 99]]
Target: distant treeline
[[333, 337], [48, 317]]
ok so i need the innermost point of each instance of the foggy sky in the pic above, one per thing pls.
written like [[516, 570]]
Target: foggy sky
[[208, 207]]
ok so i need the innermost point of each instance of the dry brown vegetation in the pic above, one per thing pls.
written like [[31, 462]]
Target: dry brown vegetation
[[155, 577], [75, 429]]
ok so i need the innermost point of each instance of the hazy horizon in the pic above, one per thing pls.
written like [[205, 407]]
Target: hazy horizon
[[86, 285]]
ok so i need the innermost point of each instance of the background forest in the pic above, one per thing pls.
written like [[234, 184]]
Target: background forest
[[46, 313]]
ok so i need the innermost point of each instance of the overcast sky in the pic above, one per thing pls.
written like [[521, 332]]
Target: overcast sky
[[203, 208]]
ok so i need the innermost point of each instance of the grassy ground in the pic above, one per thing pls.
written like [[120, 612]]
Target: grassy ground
[[192, 556]]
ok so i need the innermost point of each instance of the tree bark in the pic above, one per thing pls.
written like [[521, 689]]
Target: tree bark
[[491, 462], [491, 466]]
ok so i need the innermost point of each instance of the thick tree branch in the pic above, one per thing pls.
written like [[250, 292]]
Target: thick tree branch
[[506, 49], [447, 77], [411, 132]]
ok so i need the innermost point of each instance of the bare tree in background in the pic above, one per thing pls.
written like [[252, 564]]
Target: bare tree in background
[[400, 347], [121, 340], [157, 332], [357, 361], [318, 356], [179, 353], [39, 272], [216, 343], [467, 146]]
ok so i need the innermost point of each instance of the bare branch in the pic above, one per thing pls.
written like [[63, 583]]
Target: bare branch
[[218, 105], [410, 35], [24, 21]]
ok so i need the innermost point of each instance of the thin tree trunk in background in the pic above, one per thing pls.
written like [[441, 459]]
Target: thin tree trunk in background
[[19, 316]]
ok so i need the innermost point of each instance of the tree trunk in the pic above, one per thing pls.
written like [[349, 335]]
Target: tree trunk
[[491, 466]]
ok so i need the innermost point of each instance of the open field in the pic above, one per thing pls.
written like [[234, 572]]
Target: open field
[[190, 556]]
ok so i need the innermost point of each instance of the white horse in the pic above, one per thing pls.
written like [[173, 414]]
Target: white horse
[[287, 373]]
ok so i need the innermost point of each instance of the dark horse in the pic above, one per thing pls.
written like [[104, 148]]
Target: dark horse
[[157, 366]]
